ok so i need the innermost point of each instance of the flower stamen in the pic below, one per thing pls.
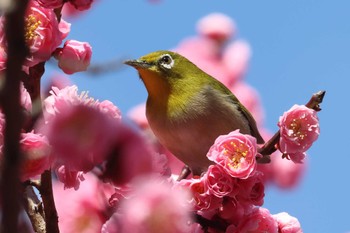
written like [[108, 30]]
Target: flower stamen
[[236, 153], [30, 29], [295, 126]]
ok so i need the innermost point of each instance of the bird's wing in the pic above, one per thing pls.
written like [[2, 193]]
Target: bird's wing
[[232, 98]]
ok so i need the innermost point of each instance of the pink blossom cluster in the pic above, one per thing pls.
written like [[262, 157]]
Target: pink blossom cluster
[[44, 33], [232, 187], [84, 132], [232, 190], [299, 128]]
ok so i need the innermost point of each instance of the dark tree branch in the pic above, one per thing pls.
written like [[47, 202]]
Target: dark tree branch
[[51, 217], [10, 102]]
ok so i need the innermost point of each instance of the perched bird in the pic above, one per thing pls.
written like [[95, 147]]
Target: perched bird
[[187, 109]]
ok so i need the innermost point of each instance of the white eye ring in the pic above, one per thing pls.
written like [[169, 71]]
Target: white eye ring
[[166, 61]]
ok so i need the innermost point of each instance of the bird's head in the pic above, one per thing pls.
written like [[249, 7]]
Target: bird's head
[[163, 70]]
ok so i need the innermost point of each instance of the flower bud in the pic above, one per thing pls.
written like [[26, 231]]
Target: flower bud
[[74, 57]]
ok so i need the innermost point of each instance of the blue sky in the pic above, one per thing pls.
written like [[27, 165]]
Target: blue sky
[[299, 47]]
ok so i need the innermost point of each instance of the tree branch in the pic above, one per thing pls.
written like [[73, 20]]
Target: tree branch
[[51, 217], [10, 101]]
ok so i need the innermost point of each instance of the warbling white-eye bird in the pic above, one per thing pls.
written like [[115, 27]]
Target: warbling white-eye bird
[[187, 109]]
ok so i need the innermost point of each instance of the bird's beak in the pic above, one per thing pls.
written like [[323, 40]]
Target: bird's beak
[[138, 64]]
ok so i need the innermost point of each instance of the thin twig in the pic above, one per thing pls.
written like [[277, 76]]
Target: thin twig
[[106, 67], [10, 101]]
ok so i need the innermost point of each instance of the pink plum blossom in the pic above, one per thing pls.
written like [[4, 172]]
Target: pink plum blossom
[[130, 156], [216, 26], [232, 210], [83, 210], [259, 220], [235, 153], [201, 199], [219, 183], [154, 207], [251, 190], [299, 128], [236, 58], [110, 109], [36, 155], [74, 57], [60, 99], [81, 4], [80, 129], [81, 137], [43, 32], [51, 3], [287, 223]]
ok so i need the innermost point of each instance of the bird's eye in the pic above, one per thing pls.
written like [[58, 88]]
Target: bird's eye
[[166, 61]]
